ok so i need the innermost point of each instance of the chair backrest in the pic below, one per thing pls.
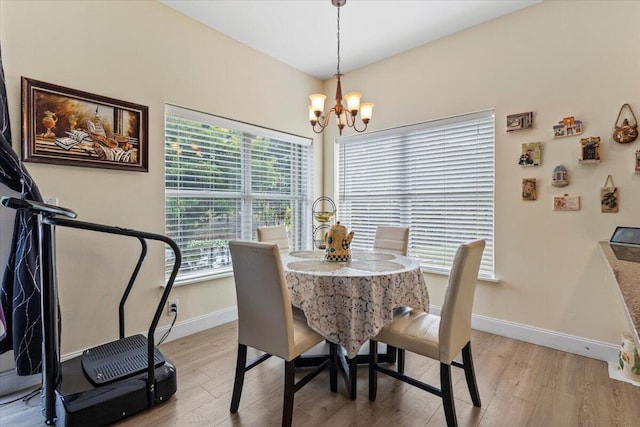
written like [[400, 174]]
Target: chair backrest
[[455, 322], [275, 234], [392, 239], [265, 319]]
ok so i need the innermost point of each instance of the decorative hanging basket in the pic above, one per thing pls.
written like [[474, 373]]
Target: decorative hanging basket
[[625, 133], [324, 209]]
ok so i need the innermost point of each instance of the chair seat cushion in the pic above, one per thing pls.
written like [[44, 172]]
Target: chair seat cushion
[[414, 331], [304, 338]]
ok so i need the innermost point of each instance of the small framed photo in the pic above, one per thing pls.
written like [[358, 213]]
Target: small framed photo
[[560, 177], [529, 191], [519, 121], [70, 127], [590, 150], [566, 203], [568, 126], [531, 154]]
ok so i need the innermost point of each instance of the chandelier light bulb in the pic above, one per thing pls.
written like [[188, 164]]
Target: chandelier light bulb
[[342, 119], [317, 102], [366, 110], [312, 116], [353, 102]]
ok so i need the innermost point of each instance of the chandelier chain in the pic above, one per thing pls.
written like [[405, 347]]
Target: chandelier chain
[[338, 35], [345, 116]]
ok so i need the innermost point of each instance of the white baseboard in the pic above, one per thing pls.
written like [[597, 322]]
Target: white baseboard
[[197, 324], [559, 341], [10, 382]]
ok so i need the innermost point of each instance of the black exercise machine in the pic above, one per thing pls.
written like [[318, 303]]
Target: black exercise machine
[[111, 381]]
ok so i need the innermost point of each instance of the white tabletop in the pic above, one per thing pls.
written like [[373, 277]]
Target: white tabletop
[[349, 302]]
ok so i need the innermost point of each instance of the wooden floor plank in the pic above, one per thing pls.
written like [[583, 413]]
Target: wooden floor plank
[[520, 384]]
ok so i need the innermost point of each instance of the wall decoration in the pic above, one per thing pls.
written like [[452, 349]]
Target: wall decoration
[[529, 189], [609, 196], [590, 150], [531, 154], [637, 161], [568, 126], [566, 203], [519, 121], [625, 133], [71, 127], [560, 176]]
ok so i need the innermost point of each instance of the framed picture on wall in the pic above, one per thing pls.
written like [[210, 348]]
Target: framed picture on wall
[[566, 203], [529, 190], [70, 127], [531, 154], [519, 121]]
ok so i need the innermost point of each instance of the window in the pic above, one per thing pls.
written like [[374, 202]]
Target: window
[[435, 177], [223, 179]]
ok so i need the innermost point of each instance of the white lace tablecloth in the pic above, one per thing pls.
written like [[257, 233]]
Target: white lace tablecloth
[[349, 302]]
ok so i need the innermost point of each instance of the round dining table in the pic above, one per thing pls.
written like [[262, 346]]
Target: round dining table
[[350, 302]]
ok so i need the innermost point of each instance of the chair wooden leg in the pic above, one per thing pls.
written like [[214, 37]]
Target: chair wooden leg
[[447, 395], [373, 374], [333, 367], [470, 374], [289, 390], [353, 377], [239, 380], [401, 359], [392, 353]]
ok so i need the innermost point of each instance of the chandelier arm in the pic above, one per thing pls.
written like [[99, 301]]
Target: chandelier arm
[[350, 120], [322, 121], [356, 128], [326, 118]]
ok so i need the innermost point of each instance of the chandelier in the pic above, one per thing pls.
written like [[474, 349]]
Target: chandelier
[[344, 116]]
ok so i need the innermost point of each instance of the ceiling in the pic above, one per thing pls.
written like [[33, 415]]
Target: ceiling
[[302, 33]]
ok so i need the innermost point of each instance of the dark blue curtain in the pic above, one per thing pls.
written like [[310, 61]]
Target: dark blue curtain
[[20, 291]]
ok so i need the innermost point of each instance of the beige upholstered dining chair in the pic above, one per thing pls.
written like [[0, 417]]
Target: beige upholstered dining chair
[[396, 240], [438, 337], [392, 239], [266, 321], [278, 234], [275, 234]]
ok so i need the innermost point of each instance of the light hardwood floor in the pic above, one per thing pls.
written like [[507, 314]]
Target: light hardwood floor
[[520, 385]]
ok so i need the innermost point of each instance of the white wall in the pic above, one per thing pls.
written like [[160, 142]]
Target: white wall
[[149, 54], [557, 59]]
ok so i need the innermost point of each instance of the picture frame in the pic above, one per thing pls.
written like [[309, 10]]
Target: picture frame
[[531, 154], [70, 127], [609, 197], [529, 189], [566, 203], [519, 121], [560, 177], [590, 150], [568, 126]]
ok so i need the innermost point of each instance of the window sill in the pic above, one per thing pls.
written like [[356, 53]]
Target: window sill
[[490, 279], [190, 280]]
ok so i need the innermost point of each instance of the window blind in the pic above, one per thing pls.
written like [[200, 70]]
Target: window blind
[[224, 179], [435, 177]]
